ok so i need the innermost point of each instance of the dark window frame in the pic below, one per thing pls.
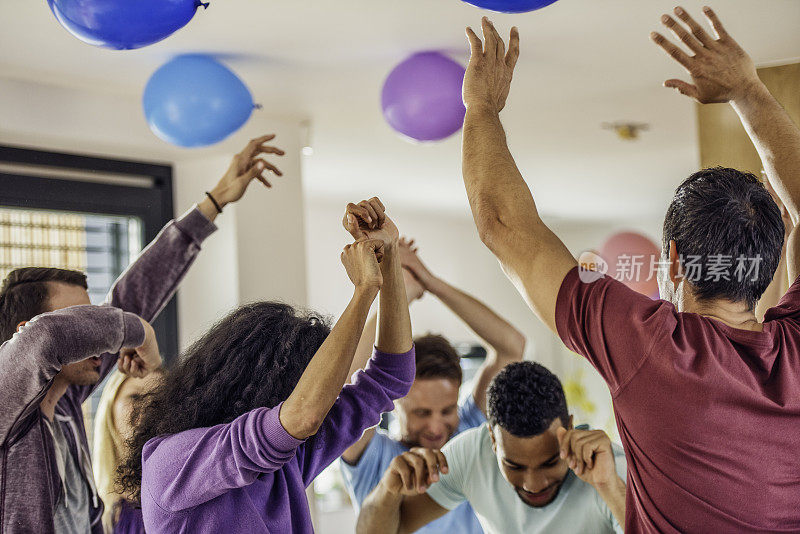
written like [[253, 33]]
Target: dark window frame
[[153, 205]]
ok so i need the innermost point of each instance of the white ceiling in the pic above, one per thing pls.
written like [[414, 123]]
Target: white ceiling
[[582, 63]]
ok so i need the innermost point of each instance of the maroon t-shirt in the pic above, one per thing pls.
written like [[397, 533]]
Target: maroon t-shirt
[[709, 414]]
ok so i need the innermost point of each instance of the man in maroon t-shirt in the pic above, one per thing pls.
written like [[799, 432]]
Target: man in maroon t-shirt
[[707, 398]]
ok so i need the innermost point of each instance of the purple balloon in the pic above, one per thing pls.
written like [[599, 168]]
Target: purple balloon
[[421, 98]]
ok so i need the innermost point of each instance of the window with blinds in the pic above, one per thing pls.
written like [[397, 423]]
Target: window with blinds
[[99, 245]]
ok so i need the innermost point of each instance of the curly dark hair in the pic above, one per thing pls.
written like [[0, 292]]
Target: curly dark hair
[[24, 294], [252, 358], [525, 398], [727, 213]]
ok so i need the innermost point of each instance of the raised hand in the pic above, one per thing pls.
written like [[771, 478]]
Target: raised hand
[[368, 219], [589, 455], [245, 167], [360, 260], [720, 69], [138, 362], [488, 77], [412, 472], [414, 289]]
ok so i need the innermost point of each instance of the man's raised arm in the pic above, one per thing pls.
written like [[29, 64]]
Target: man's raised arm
[[533, 257], [723, 72]]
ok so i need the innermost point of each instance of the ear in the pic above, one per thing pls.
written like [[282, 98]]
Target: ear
[[675, 268], [20, 325], [569, 426], [491, 434]]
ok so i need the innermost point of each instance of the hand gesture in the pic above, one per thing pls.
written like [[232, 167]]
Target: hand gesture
[[360, 260], [138, 362], [246, 166], [589, 455], [410, 260], [414, 471], [368, 220], [720, 69], [488, 77]]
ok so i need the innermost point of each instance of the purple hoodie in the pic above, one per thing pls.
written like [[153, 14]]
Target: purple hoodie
[[29, 481], [250, 475]]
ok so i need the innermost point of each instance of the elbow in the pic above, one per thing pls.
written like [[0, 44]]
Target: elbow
[[300, 421], [490, 228], [517, 344], [306, 426]]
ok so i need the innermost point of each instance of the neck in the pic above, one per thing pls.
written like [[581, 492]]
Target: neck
[[53, 395], [735, 314]]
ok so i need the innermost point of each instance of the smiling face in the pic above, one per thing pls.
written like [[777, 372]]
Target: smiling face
[[532, 465], [428, 415]]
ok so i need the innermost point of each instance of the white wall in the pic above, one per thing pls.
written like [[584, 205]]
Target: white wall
[[258, 252]]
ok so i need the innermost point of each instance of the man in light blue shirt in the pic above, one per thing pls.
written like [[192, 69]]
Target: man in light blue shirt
[[527, 470], [431, 413]]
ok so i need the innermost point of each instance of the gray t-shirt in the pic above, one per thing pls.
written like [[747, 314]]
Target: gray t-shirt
[[72, 509], [474, 476]]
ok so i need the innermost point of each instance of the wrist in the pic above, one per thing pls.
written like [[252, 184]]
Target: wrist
[[482, 108], [752, 92], [366, 291], [612, 487], [386, 495], [219, 194]]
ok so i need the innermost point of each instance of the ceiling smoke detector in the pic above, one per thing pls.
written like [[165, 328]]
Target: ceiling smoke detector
[[627, 131]]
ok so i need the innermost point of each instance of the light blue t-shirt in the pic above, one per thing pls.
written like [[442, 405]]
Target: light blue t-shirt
[[361, 479], [474, 476]]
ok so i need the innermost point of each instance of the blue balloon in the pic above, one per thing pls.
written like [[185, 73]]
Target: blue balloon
[[123, 24], [511, 6], [193, 100]]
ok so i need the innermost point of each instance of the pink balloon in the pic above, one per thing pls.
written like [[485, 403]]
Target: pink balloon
[[633, 259]]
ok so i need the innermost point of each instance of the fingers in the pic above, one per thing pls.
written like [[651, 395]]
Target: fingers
[[435, 462], [251, 147], [266, 165], [403, 470], [489, 39], [676, 53], [475, 44], [372, 212], [375, 246], [697, 30], [513, 49], [681, 33], [419, 470], [719, 29], [360, 212], [682, 87]]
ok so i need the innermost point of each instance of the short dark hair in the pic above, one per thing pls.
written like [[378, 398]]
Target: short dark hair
[[525, 398], [436, 358], [725, 212], [24, 294]]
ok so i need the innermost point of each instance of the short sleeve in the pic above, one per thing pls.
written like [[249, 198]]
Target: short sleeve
[[788, 306], [469, 414], [360, 479], [449, 491], [611, 325]]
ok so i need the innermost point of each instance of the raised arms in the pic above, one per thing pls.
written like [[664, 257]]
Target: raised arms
[[533, 257]]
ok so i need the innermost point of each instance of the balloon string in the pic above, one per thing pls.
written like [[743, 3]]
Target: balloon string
[[257, 106], [198, 3]]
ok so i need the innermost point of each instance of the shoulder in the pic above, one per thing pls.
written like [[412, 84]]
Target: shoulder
[[468, 445], [469, 414]]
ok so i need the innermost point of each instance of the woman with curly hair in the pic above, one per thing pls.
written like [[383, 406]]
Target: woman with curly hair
[[230, 439]]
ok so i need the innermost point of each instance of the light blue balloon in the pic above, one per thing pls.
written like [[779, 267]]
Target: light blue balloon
[[194, 100], [123, 24]]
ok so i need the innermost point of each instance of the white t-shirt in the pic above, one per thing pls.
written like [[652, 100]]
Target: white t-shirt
[[474, 476]]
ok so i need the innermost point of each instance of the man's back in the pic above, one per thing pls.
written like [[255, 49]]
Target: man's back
[[709, 414]]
